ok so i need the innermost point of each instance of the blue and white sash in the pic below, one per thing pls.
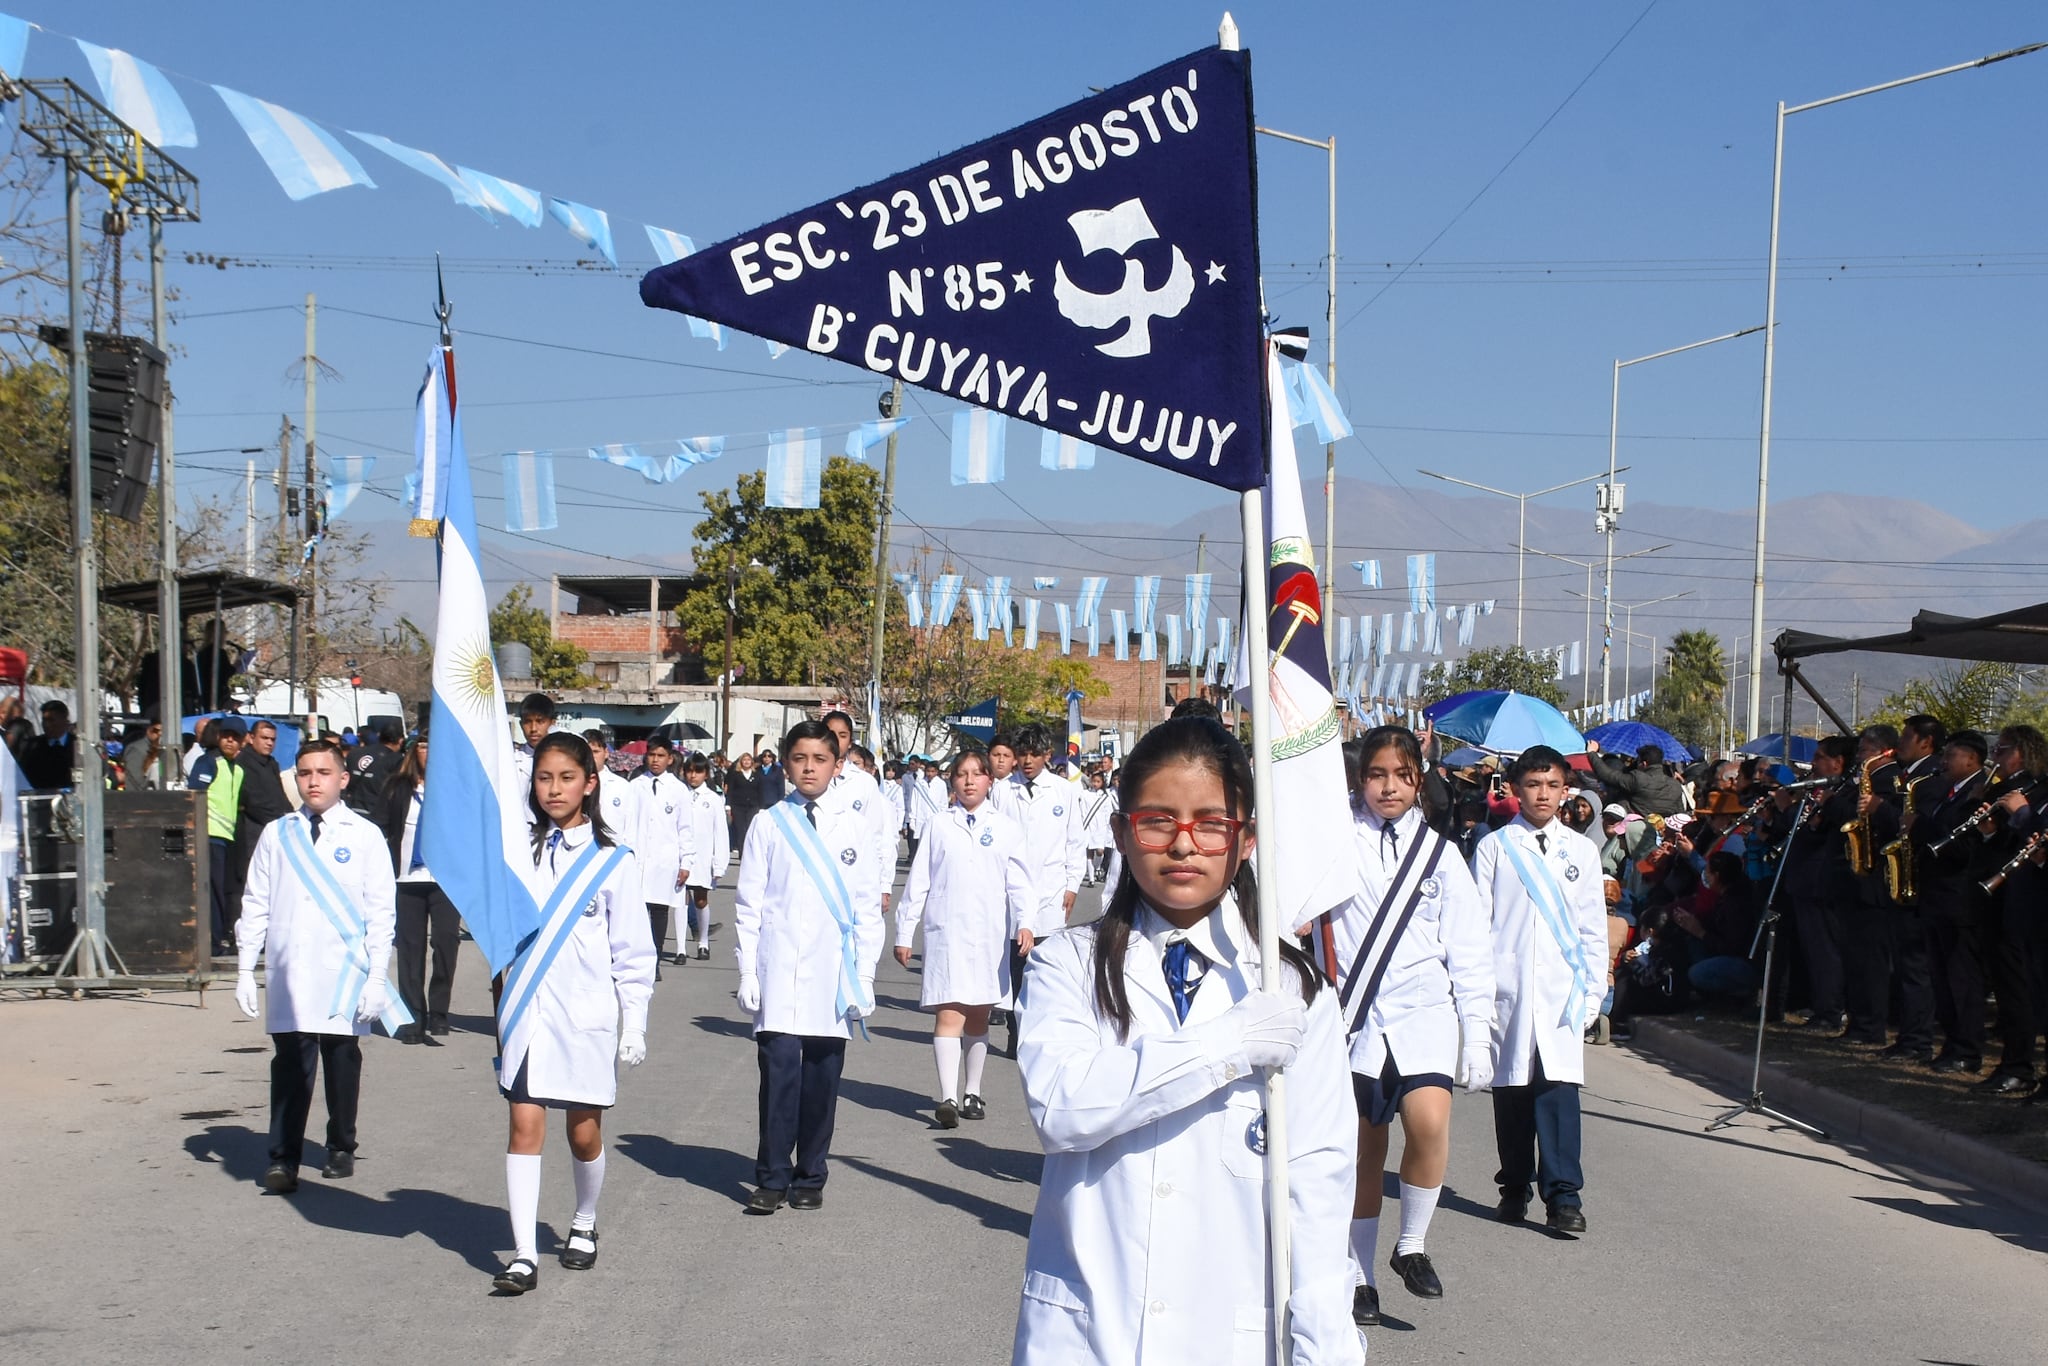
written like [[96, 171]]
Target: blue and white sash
[[325, 891], [823, 870], [558, 916], [1541, 884]]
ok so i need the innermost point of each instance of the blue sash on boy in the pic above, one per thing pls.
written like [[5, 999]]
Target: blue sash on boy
[[1541, 884], [823, 870], [558, 916], [319, 884]]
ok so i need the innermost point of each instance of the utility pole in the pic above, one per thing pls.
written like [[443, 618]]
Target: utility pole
[[316, 523], [170, 617], [1856, 700], [732, 582], [284, 483], [890, 406]]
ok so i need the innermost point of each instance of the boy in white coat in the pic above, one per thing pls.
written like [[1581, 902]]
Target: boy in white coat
[[807, 929], [1055, 854], [712, 843], [321, 906], [618, 801], [661, 842], [1539, 881]]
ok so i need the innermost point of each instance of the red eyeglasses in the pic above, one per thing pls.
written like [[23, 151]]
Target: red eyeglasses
[[1155, 831]]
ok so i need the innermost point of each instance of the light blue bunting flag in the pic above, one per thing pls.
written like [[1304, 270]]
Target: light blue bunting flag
[[1421, 583], [776, 349], [1368, 572], [1344, 643], [1309, 400], [913, 599], [1572, 669], [999, 607], [1414, 681], [977, 609], [1094, 625], [436, 436], [945, 597], [1031, 606], [1042, 583], [796, 464], [627, 455], [1059, 452], [978, 446], [345, 477], [1223, 657], [13, 44], [140, 97], [1064, 615], [1145, 602], [306, 158], [872, 434], [516, 202], [1087, 606], [428, 165], [1468, 623], [591, 227], [530, 491], [1120, 628], [1386, 646], [1199, 589], [1407, 632], [1173, 643], [670, 247]]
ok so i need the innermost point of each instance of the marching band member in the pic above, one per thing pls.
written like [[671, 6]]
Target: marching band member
[[661, 843], [1140, 1033], [807, 930], [1539, 884], [1049, 808], [573, 1000], [320, 908], [969, 888], [710, 839], [1416, 969]]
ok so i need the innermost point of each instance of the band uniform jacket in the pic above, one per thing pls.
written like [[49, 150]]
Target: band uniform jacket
[[710, 840], [662, 840], [1049, 809], [969, 889], [1147, 1247], [785, 935], [599, 983], [1532, 978], [282, 924], [1438, 986], [1942, 881]]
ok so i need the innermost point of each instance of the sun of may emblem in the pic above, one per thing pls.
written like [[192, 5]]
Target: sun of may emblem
[[475, 677]]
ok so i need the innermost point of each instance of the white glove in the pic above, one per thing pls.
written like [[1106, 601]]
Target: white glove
[[245, 994], [750, 993], [1478, 1069], [372, 1003], [861, 1012], [1271, 1026], [632, 1048]]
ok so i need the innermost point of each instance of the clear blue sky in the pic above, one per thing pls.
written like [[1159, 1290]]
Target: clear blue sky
[[1914, 311]]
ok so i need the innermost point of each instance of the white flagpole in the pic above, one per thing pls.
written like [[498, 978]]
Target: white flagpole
[[1258, 603]]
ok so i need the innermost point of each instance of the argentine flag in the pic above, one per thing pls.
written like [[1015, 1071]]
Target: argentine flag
[[306, 158], [474, 818]]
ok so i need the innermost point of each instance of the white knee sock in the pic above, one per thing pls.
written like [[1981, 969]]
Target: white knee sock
[[1418, 1203], [522, 1198], [589, 1182], [704, 926], [977, 1058], [1365, 1245], [946, 1051]]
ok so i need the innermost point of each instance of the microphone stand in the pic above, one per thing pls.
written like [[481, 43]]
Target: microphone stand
[[1767, 933]]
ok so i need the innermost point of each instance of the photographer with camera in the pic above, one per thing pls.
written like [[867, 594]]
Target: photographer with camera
[[1644, 783]]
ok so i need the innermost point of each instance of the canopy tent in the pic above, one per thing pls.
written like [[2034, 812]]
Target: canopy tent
[[2019, 636]]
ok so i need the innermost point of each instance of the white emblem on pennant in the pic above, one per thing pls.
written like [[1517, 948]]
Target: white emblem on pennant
[[1118, 230]]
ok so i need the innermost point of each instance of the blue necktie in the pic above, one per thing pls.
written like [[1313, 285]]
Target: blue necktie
[[1185, 967], [419, 840], [554, 843], [313, 819]]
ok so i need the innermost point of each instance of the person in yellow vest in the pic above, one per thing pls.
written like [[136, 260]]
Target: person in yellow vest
[[220, 777]]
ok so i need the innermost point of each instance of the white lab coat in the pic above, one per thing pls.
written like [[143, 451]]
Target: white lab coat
[[710, 836], [1148, 1242], [1438, 987], [662, 840], [1050, 812], [852, 786], [618, 801], [969, 888], [1532, 982], [283, 925], [1097, 807], [784, 935], [893, 794], [599, 983]]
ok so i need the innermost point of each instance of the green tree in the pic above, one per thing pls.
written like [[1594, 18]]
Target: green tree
[[816, 574], [556, 663], [1965, 696], [1691, 691], [1500, 666]]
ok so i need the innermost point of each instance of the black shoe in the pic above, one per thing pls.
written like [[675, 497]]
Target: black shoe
[[280, 1179], [1566, 1219], [1953, 1064], [764, 1201], [1365, 1306], [657, 968], [947, 1116], [518, 1278], [703, 953], [340, 1167], [974, 1107], [1417, 1274], [1827, 1026], [1900, 1052], [411, 1033], [1512, 1209], [1865, 1040], [437, 1024], [2038, 1095], [580, 1252], [807, 1197], [998, 1017], [2005, 1084]]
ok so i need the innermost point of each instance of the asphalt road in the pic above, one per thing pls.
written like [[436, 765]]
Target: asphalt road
[[132, 1133]]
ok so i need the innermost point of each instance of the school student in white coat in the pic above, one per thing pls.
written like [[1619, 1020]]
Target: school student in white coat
[[1049, 808], [1415, 970], [856, 784], [712, 842], [969, 890], [572, 1005], [661, 845], [618, 801], [319, 907], [1002, 762], [1098, 805], [1539, 883], [1141, 1033], [807, 929]]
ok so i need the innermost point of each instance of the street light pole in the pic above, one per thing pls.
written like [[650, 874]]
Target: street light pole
[[1629, 611], [1763, 455], [1586, 671], [1521, 523]]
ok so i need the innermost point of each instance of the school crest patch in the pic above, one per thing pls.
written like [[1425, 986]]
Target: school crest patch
[[988, 837], [857, 803], [1255, 1135], [847, 856], [1432, 885], [342, 854], [1571, 872], [1059, 811]]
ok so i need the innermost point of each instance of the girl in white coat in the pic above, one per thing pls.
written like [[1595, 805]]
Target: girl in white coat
[[969, 888], [574, 998], [1140, 1032], [711, 839]]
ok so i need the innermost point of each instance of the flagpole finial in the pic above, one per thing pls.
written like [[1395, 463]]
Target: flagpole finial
[[442, 311], [1226, 33]]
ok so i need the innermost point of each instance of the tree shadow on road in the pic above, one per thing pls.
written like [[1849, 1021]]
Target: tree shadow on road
[[718, 1170], [470, 1230], [992, 1214]]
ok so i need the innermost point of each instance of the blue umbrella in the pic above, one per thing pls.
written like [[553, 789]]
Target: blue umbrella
[[1509, 723], [1626, 737], [1773, 747], [1458, 699]]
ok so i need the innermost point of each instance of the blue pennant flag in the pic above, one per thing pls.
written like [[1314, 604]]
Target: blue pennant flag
[[591, 227], [945, 597], [530, 491], [977, 446], [1063, 613], [796, 462], [1368, 572], [140, 96], [1421, 583], [1120, 627], [872, 434], [1031, 607], [13, 44], [516, 202], [345, 476], [674, 246], [913, 602], [1057, 451], [1094, 271], [306, 158]]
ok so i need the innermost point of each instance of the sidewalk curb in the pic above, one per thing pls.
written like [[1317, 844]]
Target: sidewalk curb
[[1850, 1121]]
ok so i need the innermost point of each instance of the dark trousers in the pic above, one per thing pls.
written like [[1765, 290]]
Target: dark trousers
[[1867, 968], [1914, 969], [2005, 958], [657, 920], [220, 871], [1536, 1129], [1958, 964], [425, 914], [1820, 944], [339, 1060], [799, 1101]]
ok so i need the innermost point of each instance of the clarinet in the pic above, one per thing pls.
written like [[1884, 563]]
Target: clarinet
[[1992, 796], [1996, 880]]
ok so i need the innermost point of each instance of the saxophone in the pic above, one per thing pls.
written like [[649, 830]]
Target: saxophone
[[1898, 856], [1856, 831]]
